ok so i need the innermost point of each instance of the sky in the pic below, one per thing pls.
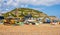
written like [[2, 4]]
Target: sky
[[50, 7]]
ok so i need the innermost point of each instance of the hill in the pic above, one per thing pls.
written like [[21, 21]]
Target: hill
[[24, 11]]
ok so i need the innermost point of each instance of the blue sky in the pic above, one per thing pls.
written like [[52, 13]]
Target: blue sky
[[50, 7]]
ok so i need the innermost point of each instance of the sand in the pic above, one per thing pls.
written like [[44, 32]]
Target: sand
[[42, 29]]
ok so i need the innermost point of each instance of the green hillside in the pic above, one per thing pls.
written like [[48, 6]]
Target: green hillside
[[20, 12]]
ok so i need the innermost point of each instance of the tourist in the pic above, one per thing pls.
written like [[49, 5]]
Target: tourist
[[6, 21], [12, 21]]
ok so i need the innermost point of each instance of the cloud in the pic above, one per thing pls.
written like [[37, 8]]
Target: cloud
[[0, 0], [39, 2], [25, 3], [32, 2], [9, 2], [0, 5]]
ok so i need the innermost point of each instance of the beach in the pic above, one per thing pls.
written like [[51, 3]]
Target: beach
[[42, 29]]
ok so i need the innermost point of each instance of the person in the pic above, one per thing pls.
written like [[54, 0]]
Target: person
[[6, 21], [12, 21], [37, 22]]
